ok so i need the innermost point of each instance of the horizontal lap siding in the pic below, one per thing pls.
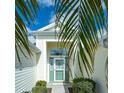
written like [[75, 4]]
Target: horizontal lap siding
[[24, 79]]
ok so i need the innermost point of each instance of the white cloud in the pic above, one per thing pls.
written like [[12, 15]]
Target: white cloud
[[52, 17], [47, 3], [35, 22]]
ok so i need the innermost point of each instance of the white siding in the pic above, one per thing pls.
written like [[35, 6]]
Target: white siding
[[24, 79], [25, 72]]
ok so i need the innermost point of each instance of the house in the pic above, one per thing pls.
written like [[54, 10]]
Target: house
[[52, 65], [25, 69]]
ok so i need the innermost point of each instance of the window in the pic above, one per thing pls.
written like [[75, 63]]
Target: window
[[56, 52]]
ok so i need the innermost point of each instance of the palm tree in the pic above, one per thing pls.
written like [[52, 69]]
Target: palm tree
[[79, 22], [25, 11]]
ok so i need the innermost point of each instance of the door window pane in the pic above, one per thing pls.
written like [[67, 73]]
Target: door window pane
[[59, 64], [59, 75]]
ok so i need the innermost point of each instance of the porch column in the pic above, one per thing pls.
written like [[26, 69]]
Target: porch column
[[41, 66]]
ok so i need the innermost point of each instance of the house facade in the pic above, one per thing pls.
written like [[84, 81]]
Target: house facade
[[53, 67]]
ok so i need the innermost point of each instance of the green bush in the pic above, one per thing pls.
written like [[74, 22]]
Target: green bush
[[41, 83], [40, 87], [83, 84]]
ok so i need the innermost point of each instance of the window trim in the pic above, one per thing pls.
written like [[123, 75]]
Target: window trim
[[58, 69]]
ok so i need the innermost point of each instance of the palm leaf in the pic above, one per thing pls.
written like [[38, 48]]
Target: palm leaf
[[25, 10], [79, 22]]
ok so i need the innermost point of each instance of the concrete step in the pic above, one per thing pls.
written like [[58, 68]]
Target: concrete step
[[59, 88]]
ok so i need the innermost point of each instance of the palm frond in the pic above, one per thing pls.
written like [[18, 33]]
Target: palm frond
[[79, 22], [25, 11]]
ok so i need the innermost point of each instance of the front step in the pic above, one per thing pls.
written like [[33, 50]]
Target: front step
[[59, 88]]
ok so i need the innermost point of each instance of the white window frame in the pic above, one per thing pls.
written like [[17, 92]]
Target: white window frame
[[54, 64]]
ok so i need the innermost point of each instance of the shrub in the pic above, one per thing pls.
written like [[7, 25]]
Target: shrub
[[41, 83], [83, 84], [40, 87]]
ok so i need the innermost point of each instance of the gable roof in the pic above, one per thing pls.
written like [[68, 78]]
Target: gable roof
[[47, 30]]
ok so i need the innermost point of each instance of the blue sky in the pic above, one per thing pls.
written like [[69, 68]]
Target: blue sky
[[45, 15]]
